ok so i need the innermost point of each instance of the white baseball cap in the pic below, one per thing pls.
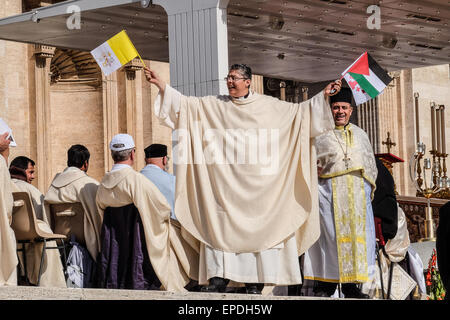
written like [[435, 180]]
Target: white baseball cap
[[5, 128], [121, 141]]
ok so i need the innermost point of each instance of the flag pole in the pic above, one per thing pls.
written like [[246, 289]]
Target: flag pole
[[334, 90], [141, 59], [135, 49]]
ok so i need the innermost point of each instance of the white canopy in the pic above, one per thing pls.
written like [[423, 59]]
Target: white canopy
[[302, 40]]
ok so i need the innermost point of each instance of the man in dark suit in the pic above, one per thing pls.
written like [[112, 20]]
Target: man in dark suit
[[384, 202]]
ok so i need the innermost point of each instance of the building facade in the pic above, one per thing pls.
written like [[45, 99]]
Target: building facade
[[54, 98]]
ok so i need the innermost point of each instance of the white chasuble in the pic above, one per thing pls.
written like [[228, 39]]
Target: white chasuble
[[246, 183], [345, 251]]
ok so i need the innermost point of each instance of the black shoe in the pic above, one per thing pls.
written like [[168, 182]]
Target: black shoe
[[351, 290], [216, 284], [323, 294], [324, 289], [254, 288], [193, 286], [209, 288]]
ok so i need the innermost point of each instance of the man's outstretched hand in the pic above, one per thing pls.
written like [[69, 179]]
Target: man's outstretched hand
[[332, 88], [152, 77]]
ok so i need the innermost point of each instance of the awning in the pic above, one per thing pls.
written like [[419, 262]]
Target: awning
[[308, 41]]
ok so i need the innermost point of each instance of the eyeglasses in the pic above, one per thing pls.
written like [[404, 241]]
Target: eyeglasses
[[168, 158], [233, 78]]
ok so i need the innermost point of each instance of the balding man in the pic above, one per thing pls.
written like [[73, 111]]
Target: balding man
[[157, 162]]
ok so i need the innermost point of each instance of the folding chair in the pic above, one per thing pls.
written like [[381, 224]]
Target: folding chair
[[25, 226], [68, 219]]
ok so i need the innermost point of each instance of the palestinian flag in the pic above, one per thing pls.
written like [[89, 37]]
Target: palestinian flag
[[366, 78]]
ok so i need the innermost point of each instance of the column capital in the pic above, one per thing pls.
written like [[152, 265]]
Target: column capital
[[394, 74], [133, 66], [179, 6], [44, 52]]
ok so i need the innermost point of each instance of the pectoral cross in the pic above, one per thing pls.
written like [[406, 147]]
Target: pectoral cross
[[388, 142], [346, 160]]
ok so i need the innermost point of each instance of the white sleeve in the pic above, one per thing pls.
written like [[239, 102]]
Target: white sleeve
[[321, 116], [167, 108]]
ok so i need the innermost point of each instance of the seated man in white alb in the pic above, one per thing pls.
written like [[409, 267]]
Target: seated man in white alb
[[74, 185], [159, 257], [22, 173], [22, 170]]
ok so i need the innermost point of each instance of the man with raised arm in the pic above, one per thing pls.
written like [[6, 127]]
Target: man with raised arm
[[345, 251], [246, 185]]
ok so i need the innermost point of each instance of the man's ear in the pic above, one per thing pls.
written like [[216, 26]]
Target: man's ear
[[249, 82]]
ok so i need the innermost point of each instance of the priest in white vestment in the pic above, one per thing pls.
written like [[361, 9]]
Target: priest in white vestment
[[73, 185], [8, 254], [52, 269], [345, 251], [172, 259], [246, 183]]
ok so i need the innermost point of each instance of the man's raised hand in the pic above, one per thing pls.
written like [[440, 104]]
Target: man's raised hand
[[332, 88], [152, 77]]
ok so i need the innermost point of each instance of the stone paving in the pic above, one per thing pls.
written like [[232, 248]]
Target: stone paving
[[39, 293]]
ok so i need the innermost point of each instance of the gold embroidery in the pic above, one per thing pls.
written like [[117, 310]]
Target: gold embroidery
[[322, 279], [350, 218]]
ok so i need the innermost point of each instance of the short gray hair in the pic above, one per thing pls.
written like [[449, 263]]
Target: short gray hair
[[121, 155], [243, 69]]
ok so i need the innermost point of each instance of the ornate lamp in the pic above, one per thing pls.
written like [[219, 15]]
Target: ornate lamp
[[427, 187]]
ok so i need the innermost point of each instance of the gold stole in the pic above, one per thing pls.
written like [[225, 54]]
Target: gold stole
[[350, 222]]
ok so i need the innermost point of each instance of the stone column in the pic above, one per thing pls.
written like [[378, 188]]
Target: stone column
[[43, 56], [282, 90], [135, 125], [198, 45], [305, 93], [110, 115], [405, 118], [257, 84]]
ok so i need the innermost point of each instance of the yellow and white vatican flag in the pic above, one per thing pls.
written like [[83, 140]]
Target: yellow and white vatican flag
[[115, 52]]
